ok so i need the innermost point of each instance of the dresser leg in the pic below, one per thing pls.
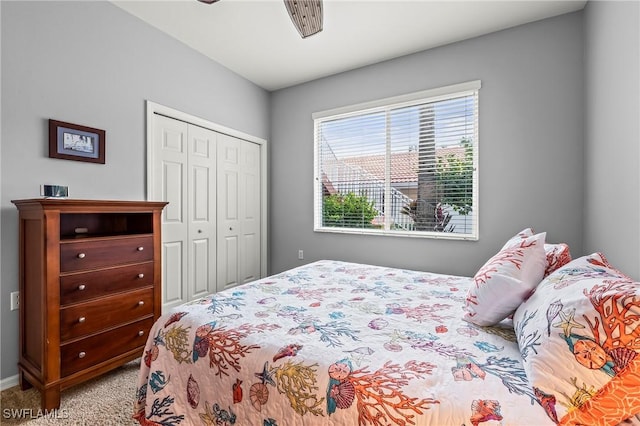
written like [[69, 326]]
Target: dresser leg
[[50, 398], [23, 382]]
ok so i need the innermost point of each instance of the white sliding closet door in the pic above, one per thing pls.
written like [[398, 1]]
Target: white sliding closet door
[[214, 227], [185, 158], [238, 211]]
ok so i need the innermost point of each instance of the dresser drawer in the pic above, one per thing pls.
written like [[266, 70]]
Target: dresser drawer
[[92, 254], [90, 317], [81, 286], [87, 352]]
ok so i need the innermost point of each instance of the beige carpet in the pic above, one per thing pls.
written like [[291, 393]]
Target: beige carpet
[[106, 400]]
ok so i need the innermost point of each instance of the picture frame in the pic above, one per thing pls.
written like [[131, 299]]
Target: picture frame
[[70, 141]]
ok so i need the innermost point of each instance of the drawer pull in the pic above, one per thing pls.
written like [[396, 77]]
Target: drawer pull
[[82, 354], [140, 303], [140, 248], [81, 320], [140, 276], [82, 287], [81, 255], [141, 333]]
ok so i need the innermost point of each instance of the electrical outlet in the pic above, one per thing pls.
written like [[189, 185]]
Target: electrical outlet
[[15, 300], [300, 254]]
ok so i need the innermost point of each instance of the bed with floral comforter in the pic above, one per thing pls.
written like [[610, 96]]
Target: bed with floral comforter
[[334, 343]]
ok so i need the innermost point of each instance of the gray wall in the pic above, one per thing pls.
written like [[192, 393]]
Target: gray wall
[[93, 64], [530, 155], [612, 132]]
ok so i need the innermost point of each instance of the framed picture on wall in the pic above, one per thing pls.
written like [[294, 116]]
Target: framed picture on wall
[[74, 142]]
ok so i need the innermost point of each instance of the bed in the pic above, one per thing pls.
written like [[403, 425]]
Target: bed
[[338, 343]]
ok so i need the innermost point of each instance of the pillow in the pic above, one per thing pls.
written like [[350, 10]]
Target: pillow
[[557, 254], [578, 337], [506, 279]]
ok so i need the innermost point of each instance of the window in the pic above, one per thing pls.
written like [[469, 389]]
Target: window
[[400, 166]]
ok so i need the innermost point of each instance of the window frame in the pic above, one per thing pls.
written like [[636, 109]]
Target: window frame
[[407, 100]]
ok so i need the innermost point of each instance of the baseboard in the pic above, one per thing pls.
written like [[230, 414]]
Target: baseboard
[[9, 382]]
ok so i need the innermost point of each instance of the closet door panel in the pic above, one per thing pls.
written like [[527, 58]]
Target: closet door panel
[[230, 196], [251, 258], [170, 184], [201, 198], [250, 208], [172, 272], [228, 271], [229, 225], [238, 211], [202, 211], [201, 267]]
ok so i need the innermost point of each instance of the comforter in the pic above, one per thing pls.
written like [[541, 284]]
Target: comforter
[[334, 343]]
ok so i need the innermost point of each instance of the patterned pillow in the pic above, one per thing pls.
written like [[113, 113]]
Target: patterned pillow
[[579, 339], [506, 280], [558, 255]]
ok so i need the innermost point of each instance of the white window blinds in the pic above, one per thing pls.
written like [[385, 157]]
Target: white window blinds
[[401, 166]]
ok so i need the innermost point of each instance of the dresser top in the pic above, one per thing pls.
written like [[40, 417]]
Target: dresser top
[[87, 205]]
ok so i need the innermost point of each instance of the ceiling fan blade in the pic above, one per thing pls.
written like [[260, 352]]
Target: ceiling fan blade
[[208, 1], [306, 15]]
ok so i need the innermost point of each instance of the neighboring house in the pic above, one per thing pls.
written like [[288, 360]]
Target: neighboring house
[[404, 167], [365, 174]]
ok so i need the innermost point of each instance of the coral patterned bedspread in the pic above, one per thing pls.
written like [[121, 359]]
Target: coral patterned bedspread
[[334, 343]]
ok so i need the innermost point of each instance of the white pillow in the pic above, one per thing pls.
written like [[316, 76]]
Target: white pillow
[[557, 254], [506, 279]]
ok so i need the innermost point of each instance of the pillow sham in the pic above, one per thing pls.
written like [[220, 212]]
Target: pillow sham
[[579, 339], [557, 254], [506, 279]]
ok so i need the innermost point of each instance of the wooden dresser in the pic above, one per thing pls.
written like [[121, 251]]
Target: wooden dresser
[[90, 288]]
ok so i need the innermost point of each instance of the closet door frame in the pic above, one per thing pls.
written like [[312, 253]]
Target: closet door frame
[[153, 109]]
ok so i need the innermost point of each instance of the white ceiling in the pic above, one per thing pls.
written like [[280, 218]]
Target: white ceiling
[[257, 40]]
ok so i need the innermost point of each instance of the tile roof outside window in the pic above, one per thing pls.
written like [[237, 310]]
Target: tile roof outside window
[[404, 165]]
